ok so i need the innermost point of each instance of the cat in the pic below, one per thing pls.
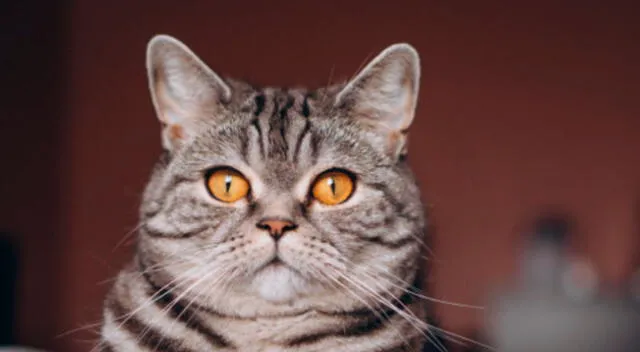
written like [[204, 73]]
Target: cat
[[276, 219]]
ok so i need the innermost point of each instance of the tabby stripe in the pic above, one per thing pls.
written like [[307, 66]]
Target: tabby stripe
[[178, 180], [306, 111], [256, 124], [244, 146], [401, 242], [105, 346], [399, 207], [158, 289], [259, 100], [184, 235], [175, 182], [284, 123], [315, 149], [146, 336], [303, 134], [368, 322], [275, 133], [271, 121], [178, 310], [395, 244]]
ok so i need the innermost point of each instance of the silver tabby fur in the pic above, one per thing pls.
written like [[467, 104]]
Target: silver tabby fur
[[201, 279]]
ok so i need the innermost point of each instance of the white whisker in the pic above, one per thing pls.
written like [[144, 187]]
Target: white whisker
[[466, 339], [403, 285], [371, 308]]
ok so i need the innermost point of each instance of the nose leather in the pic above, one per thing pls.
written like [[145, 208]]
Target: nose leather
[[276, 227]]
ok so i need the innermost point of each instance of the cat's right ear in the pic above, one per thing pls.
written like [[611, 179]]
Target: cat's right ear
[[184, 90], [384, 95]]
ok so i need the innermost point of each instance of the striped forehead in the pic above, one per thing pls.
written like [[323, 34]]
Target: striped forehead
[[280, 129]]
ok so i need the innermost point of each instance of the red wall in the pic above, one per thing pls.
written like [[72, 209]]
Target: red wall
[[522, 108], [32, 123]]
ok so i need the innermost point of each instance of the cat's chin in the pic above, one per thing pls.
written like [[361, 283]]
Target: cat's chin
[[279, 283]]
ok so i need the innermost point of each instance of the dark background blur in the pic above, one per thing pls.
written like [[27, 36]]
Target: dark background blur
[[523, 108]]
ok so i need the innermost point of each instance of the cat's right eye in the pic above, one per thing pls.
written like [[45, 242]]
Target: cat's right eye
[[227, 185]]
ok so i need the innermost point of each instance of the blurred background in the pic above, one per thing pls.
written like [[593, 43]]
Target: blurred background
[[525, 107]]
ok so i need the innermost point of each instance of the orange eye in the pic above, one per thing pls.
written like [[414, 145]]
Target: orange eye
[[227, 185], [333, 187]]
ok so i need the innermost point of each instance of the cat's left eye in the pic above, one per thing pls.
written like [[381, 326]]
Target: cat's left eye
[[227, 185], [333, 187]]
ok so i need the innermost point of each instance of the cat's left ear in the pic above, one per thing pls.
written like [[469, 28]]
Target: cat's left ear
[[385, 93]]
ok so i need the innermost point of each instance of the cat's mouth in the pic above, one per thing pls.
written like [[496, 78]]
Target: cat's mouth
[[276, 263]]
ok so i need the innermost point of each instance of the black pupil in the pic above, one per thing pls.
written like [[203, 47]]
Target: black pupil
[[227, 183], [332, 184]]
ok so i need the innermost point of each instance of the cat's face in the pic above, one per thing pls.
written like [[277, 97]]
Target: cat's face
[[281, 195]]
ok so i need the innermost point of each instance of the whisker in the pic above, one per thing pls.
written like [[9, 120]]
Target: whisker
[[127, 236], [333, 67], [415, 294], [79, 329], [161, 266], [191, 301], [417, 324], [404, 308], [361, 66], [154, 297], [180, 297], [377, 280], [451, 335], [466, 339], [371, 308]]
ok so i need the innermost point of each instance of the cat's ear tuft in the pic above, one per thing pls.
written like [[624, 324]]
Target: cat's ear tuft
[[184, 90], [385, 93]]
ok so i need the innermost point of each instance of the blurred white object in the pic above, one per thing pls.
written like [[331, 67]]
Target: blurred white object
[[580, 280], [557, 307], [534, 324]]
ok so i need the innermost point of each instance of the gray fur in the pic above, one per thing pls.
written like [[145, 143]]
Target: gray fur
[[348, 265]]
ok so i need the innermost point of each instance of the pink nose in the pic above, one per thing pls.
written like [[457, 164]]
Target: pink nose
[[276, 227]]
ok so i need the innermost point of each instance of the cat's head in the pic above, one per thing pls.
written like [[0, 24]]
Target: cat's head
[[281, 196]]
